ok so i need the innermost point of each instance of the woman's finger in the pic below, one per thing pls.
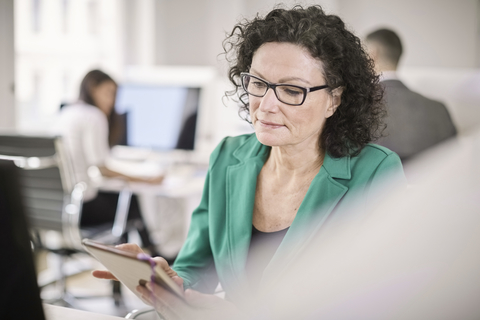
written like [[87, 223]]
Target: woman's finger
[[178, 281], [163, 264], [103, 274], [130, 247]]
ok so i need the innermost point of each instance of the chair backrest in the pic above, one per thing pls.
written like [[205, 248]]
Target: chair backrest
[[52, 198]]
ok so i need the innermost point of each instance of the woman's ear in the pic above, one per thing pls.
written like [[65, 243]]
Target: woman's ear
[[336, 96]]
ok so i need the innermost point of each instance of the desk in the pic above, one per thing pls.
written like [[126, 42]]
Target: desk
[[60, 313], [166, 207]]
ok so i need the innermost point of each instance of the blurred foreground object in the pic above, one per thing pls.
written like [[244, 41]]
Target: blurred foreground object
[[19, 293], [417, 256]]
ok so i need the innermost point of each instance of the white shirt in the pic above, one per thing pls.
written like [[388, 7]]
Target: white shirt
[[84, 129], [388, 75]]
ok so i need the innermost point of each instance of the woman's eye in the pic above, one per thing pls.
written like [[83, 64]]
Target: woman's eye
[[292, 91], [259, 84]]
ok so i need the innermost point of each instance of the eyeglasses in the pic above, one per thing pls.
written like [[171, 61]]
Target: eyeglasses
[[287, 93]]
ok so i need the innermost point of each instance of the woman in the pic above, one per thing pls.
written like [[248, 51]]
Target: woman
[[312, 95], [89, 128]]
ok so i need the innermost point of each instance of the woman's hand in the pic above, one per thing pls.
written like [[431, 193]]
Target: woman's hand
[[134, 248], [195, 305]]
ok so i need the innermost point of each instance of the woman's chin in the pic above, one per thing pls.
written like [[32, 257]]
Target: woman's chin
[[269, 139]]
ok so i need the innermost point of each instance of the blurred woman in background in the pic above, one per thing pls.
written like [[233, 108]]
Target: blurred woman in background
[[90, 127]]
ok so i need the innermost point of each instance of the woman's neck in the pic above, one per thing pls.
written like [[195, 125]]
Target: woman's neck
[[291, 162]]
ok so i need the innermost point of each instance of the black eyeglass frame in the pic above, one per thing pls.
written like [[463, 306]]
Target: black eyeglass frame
[[273, 86]]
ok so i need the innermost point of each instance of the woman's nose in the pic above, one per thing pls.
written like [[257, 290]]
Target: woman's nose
[[269, 102]]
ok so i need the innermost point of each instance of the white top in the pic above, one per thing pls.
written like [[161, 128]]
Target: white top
[[84, 129]]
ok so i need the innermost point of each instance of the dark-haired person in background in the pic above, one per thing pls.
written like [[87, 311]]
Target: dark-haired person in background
[[414, 122], [313, 98], [90, 127]]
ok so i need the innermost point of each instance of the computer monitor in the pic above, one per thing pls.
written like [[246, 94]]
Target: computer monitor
[[160, 117]]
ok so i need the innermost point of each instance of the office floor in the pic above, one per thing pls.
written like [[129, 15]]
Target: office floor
[[96, 293]]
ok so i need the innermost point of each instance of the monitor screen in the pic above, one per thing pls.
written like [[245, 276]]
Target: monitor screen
[[158, 116]]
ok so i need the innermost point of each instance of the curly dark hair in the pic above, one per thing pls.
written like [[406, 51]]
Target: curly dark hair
[[358, 120]]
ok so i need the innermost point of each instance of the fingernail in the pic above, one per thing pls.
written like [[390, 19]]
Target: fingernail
[[149, 286]]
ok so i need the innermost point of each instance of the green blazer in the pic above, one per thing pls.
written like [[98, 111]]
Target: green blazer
[[218, 241]]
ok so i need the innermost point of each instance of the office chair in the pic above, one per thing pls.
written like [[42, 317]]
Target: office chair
[[53, 199]]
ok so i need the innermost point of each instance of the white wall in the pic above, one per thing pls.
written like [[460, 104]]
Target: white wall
[[252, 7], [190, 32], [7, 101], [435, 33]]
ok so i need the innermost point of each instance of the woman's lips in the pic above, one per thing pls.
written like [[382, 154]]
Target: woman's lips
[[270, 124]]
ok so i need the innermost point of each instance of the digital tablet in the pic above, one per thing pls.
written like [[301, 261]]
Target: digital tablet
[[129, 268]]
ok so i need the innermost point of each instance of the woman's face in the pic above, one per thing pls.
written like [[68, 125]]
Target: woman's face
[[279, 124], [103, 96]]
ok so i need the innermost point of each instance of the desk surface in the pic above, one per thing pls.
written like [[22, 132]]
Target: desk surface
[[60, 313], [181, 181]]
